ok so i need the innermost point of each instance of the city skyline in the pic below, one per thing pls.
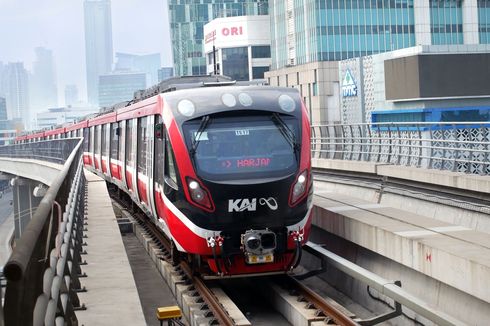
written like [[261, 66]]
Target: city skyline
[[59, 26]]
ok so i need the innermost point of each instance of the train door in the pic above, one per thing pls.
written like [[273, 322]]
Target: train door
[[130, 145], [122, 152], [92, 145], [103, 151], [97, 147], [115, 164], [150, 164], [86, 150], [142, 156], [158, 171]]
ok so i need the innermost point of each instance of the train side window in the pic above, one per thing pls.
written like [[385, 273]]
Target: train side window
[[170, 166], [159, 155], [129, 142], [104, 140], [86, 139], [114, 141], [142, 144]]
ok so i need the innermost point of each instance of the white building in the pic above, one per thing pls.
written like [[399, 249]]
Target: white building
[[242, 46], [57, 116]]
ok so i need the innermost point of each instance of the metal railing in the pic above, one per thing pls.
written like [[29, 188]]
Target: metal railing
[[452, 146], [43, 270], [56, 151]]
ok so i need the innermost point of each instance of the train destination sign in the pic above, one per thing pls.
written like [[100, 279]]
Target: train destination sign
[[246, 163]]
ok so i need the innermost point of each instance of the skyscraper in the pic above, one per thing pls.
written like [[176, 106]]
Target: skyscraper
[[3, 109], [187, 23], [16, 90], [98, 44], [42, 84]]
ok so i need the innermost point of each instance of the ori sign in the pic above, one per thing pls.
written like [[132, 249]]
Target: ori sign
[[349, 87]]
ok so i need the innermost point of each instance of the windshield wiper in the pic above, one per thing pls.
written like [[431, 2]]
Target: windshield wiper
[[197, 137], [286, 131]]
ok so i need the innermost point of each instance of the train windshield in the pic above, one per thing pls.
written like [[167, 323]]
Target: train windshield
[[230, 148]]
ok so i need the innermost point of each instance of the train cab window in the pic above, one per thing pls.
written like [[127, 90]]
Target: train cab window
[[114, 141], [228, 148], [86, 139], [104, 140], [129, 143], [142, 144], [159, 155]]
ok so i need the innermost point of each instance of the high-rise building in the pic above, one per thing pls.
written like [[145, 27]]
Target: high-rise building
[[165, 73], [71, 95], [119, 87], [3, 109], [98, 44], [42, 84], [187, 22], [16, 90], [309, 37], [147, 63]]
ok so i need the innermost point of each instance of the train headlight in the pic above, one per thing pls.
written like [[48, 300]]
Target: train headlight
[[186, 108], [286, 103], [299, 187], [245, 99], [199, 196], [228, 99]]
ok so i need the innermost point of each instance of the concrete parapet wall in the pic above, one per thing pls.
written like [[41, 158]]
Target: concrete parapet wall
[[457, 180], [469, 182]]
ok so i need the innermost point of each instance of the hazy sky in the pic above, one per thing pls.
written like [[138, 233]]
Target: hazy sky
[[138, 26]]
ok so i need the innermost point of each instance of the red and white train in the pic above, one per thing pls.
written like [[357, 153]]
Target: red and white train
[[223, 171]]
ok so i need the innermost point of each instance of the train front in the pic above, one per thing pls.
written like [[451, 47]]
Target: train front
[[245, 174]]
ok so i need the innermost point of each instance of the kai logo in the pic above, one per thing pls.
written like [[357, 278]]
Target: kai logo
[[246, 204], [349, 87]]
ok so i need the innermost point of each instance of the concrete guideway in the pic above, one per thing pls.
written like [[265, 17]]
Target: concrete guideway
[[42, 171], [111, 297], [452, 254]]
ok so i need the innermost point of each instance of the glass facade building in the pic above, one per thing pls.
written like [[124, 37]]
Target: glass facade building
[[305, 31], [325, 30], [484, 21], [446, 21], [187, 20]]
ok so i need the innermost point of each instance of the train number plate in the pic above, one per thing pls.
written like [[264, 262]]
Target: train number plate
[[259, 259]]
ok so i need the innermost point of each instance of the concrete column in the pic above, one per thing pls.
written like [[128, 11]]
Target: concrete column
[[24, 202], [470, 22], [422, 22]]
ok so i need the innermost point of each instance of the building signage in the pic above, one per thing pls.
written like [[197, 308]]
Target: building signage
[[349, 87], [224, 32]]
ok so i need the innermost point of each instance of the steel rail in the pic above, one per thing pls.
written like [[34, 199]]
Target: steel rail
[[207, 295], [320, 303]]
